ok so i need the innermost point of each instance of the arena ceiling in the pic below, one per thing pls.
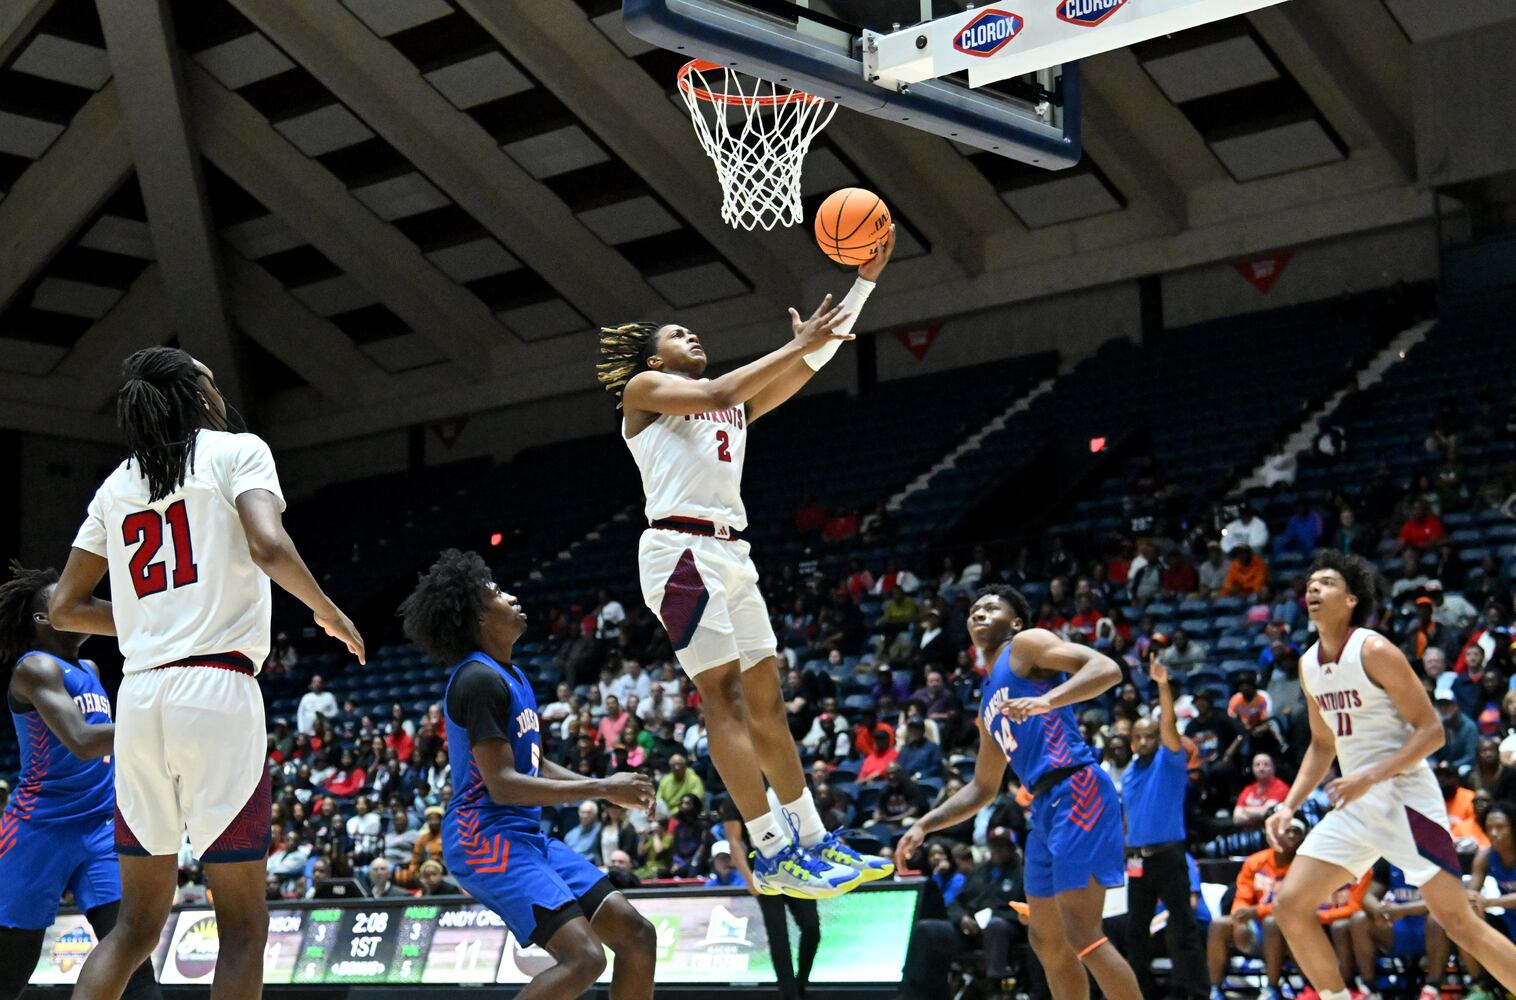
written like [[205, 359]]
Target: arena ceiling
[[369, 213]]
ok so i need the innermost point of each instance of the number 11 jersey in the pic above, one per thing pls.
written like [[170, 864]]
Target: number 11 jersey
[[691, 465], [183, 583]]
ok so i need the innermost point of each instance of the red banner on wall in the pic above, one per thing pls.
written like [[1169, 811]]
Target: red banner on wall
[[1263, 272], [919, 339]]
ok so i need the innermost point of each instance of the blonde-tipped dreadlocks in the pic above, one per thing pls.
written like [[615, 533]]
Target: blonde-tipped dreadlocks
[[624, 351]]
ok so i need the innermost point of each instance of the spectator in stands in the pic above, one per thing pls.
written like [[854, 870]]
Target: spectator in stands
[[584, 838], [1215, 734], [561, 707], [364, 833], [1351, 538], [918, 756], [935, 647], [1331, 441], [1213, 571], [429, 843], [400, 842], [609, 617], [1247, 575], [724, 874], [894, 576], [1179, 575], [317, 701], [434, 881], [380, 884], [879, 756], [679, 782], [612, 725], [1114, 758], [1460, 735], [1247, 528], [1452, 609], [688, 835], [901, 800], [1183, 654], [899, 613], [1286, 698], [1301, 533], [1145, 575], [1250, 926], [1260, 797], [616, 833], [841, 527], [349, 779], [1410, 578], [287, 856], [1425, 633], [1421, 529], [282, 657], [935, 698], [633, 680]]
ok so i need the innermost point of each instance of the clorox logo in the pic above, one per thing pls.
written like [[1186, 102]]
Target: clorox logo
[[1088, 13], [989, 32]]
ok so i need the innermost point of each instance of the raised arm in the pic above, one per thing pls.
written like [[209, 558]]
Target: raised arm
[[798, 373], [274, 552], [673, 395], [74, 606], [989, 771], [507, 787], [1040, 651], [38, 681], [1168, 723]]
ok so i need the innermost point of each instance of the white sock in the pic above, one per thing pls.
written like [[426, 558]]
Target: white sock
[[768, 834], [807, 819], [1336, 995]]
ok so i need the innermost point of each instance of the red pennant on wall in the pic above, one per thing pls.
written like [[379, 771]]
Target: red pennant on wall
[[919, 340], [1263, 272], [449, 431]]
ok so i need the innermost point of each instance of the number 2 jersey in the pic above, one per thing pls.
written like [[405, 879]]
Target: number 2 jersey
[[1041, 744], [182, 581], [691, 465]]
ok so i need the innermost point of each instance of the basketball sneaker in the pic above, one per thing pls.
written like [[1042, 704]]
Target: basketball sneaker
[[836, 850], [797, 872]]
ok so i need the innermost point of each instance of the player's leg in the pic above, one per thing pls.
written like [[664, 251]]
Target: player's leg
[[96, 885], [147, 896], [1365, 951], [727, 735], [1067, 979], [1447, 904], [580, 958], [1082, 911], [1218, 941], [237, 893], [1311, 881], [631, 937], [142, 985], [1186, 947], [1141, 902], [19, 950]]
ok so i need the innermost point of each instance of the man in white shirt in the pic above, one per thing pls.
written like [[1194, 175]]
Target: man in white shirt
[[1453, 609], [365, 832], [633, 681], [609, 618], [557, 711], [317, 699], [657, 706], [1247, 528]]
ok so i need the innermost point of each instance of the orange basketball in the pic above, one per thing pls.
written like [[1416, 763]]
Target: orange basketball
[[850, 224]]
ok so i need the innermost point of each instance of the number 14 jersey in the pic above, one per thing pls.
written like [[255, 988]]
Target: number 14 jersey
[[182, 581], [691, 465], [1365, 722]]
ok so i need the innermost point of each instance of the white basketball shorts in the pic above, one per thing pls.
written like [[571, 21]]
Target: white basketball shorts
[[1402, 820], [705, 591], [190, 752]]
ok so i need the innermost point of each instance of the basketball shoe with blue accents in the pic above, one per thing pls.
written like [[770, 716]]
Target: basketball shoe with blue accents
[[836, 850], [797, 872]]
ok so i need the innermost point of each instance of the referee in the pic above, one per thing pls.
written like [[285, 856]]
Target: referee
[[792, 980], [1153, 789]]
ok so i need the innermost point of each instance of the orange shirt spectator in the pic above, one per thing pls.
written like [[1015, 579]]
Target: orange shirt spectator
[[1461, 818], [1248, 573], [1345, 902], [1250, 712], [1258, 883], [1422, 528], [877, 761]]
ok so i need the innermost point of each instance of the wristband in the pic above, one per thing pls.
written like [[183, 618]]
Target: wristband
[[852, 304]]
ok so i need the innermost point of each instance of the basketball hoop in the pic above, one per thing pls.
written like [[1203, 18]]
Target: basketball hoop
[[757, 133]]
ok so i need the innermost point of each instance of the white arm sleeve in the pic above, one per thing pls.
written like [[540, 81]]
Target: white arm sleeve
[[852, 304]]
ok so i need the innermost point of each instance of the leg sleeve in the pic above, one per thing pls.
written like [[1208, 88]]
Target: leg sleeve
[[777, 928], [19, 951], [809, 921]]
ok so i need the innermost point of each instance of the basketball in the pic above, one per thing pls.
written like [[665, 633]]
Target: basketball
[[850, 224]]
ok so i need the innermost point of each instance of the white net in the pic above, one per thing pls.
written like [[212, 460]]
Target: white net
[[757, 133]]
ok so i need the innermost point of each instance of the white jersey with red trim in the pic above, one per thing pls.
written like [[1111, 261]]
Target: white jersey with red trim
[[691, 466], [182, 581], [1365, 722]]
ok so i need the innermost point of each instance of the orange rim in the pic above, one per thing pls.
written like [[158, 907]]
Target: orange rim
[[688, 85]]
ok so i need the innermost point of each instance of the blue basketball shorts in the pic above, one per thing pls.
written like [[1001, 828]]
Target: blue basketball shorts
[[1410, 937], [1075, 835], [536, 884], [47, 858]]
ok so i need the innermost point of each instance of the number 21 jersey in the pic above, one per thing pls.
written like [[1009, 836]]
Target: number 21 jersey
[[691, 465], [182, 581]]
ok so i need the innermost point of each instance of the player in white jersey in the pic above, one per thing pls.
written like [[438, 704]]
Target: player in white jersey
[[1368, 710], [189, 528], [689, 437]]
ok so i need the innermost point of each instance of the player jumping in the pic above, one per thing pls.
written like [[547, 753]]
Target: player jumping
[[189, 528], [491, 833], [688, 435], [1368, 710], [56, 832], [1074, 849]]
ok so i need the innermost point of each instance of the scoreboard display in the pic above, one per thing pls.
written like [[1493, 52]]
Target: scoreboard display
[[704, 935]]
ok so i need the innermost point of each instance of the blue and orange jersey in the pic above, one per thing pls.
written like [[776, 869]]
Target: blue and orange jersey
[[1042, 743], [471, 799], [54, 785]]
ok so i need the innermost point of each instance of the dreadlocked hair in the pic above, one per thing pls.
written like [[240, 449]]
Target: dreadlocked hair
[[624, 351], [18, 601], [442, 614], [160, 406], [1356, 573]]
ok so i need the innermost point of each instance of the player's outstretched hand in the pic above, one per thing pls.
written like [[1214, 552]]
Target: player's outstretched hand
[[882, 254], [1022, 709], [1278, 822], [822, 325], [340, 628], [1157, 672], [910, 843], [629, 790]]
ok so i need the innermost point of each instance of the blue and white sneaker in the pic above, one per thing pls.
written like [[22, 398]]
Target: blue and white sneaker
[[799, 873], [836, 850]]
